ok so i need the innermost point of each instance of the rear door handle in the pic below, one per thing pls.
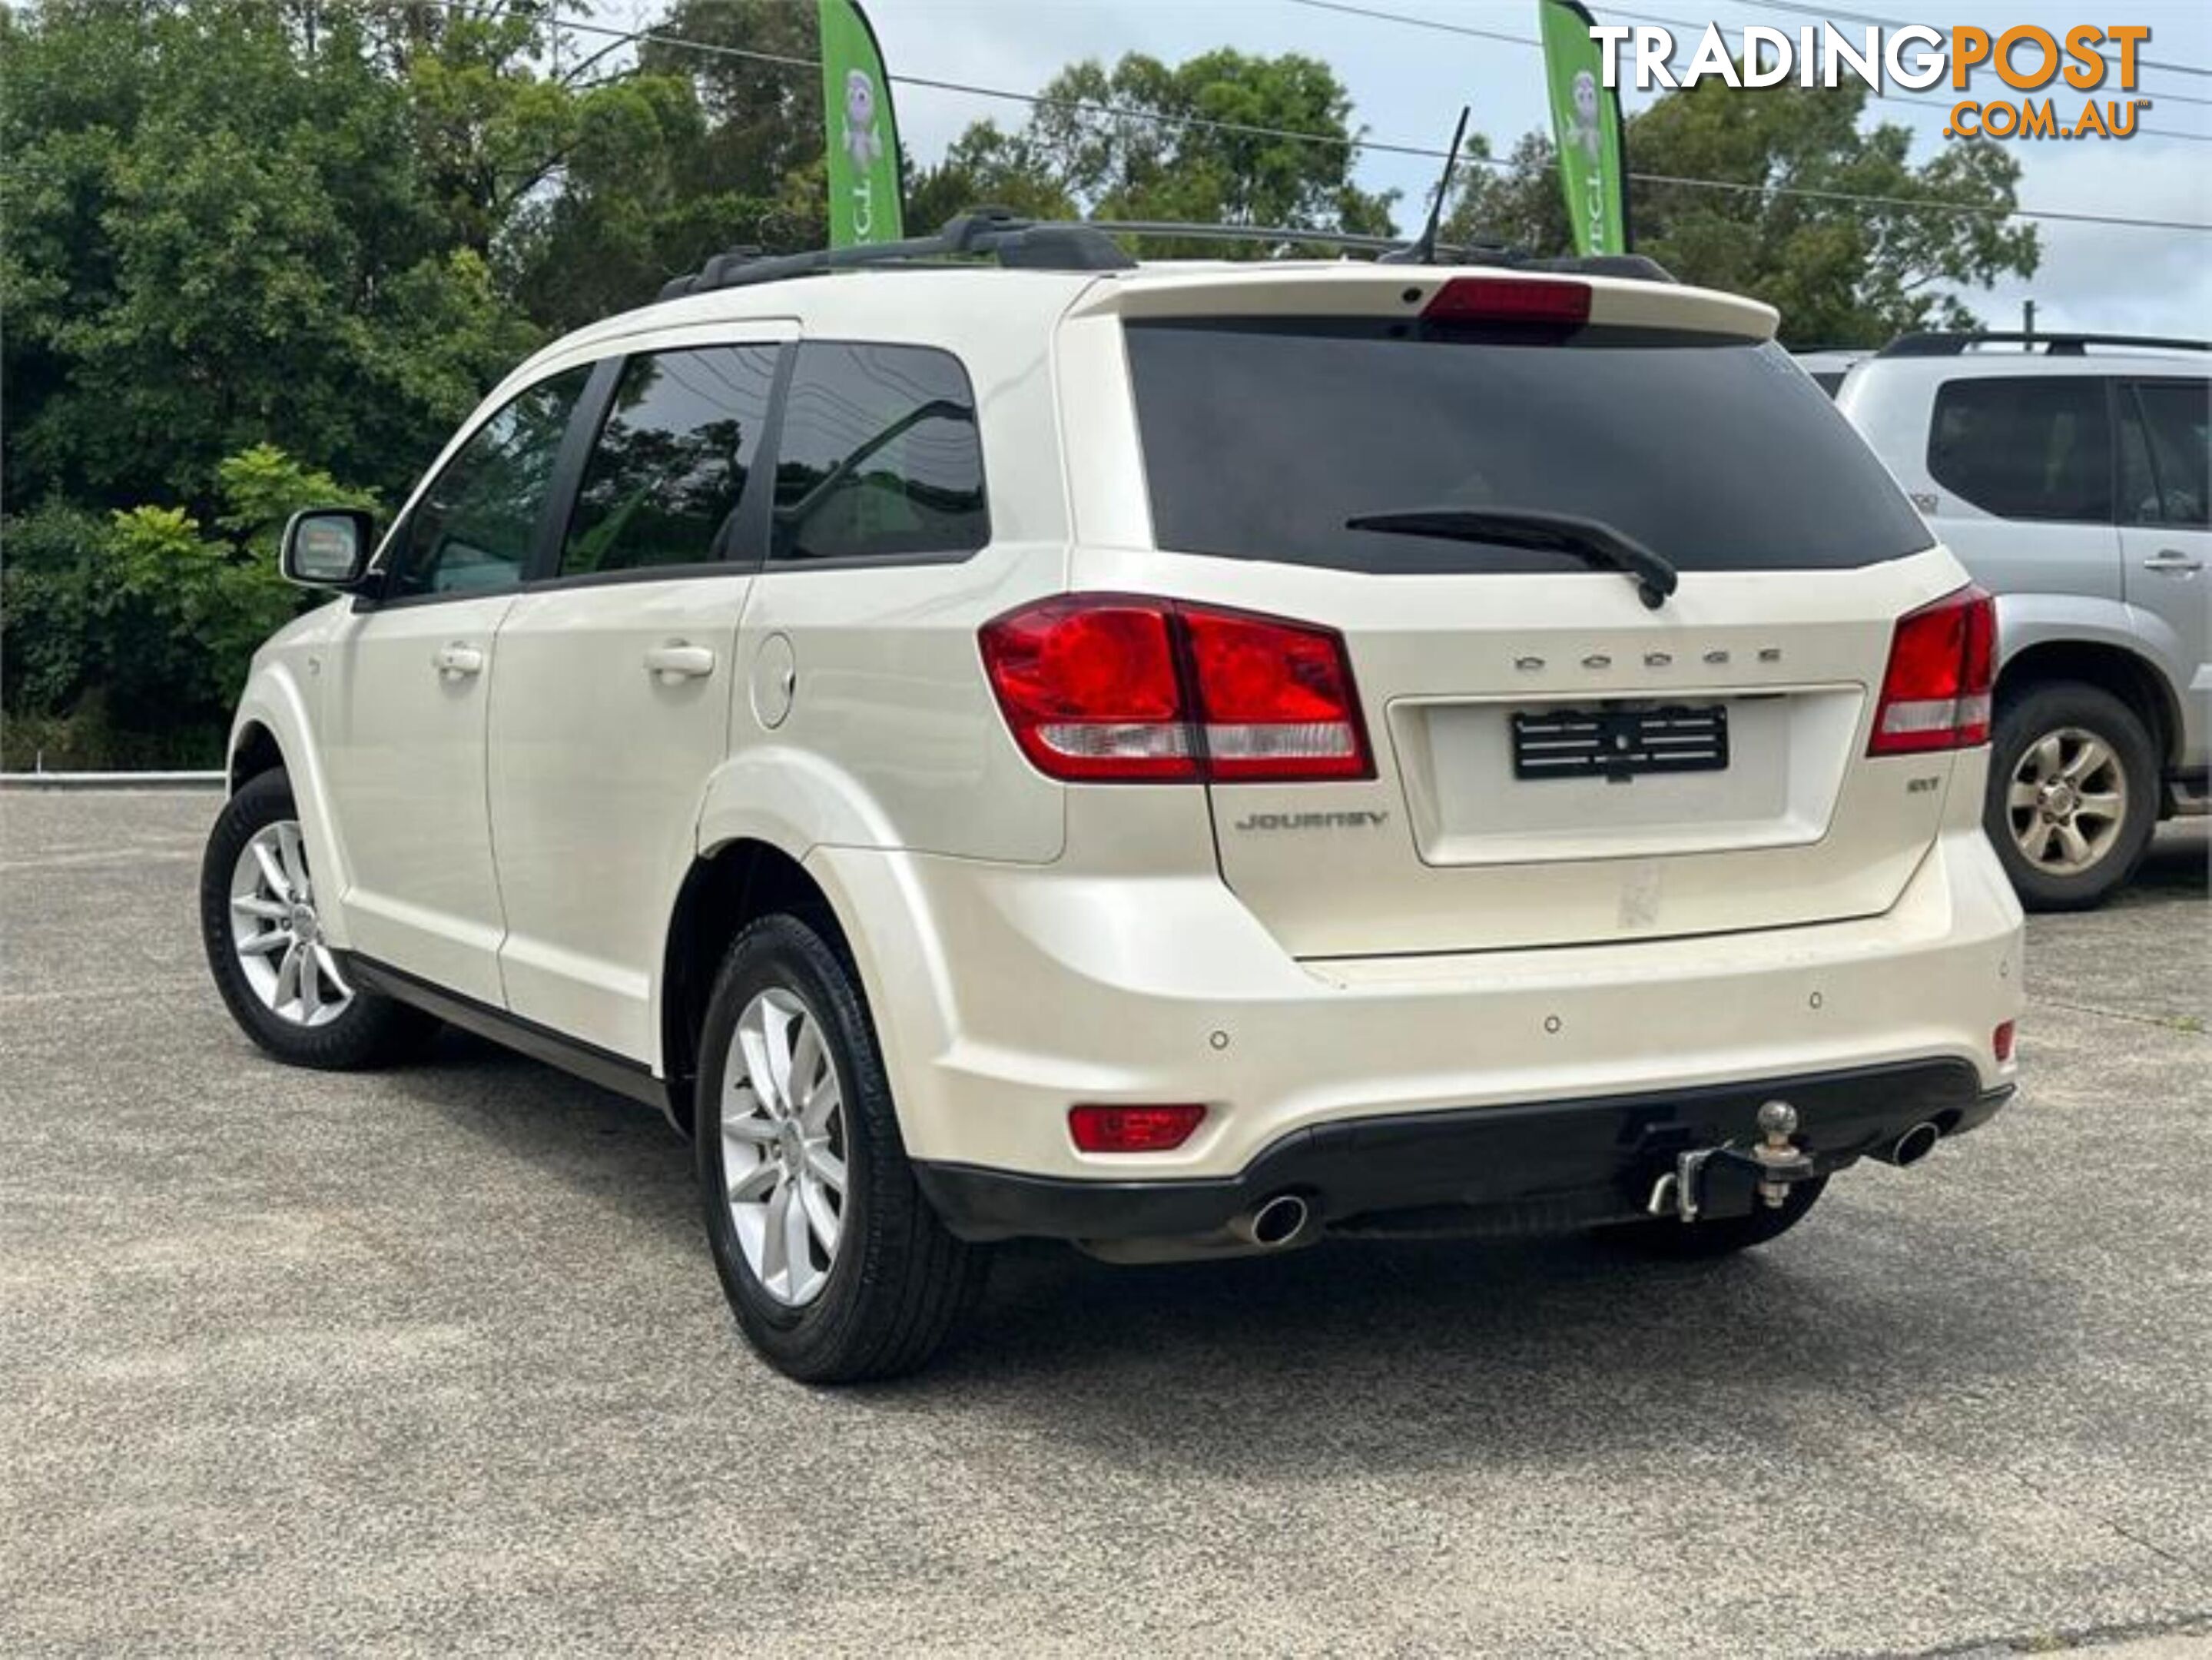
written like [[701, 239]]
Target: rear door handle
[[2174, 562], [458, 661], [678, 660]]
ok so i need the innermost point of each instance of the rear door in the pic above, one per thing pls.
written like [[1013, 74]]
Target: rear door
[[612, 705], [2022, 472], [1557, 762], [2165, 540]]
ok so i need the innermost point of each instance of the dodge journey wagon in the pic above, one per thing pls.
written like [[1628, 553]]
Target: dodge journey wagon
[[1182, 758]]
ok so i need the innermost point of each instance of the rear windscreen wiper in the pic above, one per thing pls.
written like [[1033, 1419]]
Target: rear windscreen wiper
[[1590, 540]]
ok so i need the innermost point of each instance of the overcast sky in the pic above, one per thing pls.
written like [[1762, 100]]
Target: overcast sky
[[1407, 84]]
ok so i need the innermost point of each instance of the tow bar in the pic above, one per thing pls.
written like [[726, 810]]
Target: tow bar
[[1724, 1180]]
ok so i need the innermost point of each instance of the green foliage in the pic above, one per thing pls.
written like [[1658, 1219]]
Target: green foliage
[[219, 232], [142, 623], [1842, 272], [1095, 142]]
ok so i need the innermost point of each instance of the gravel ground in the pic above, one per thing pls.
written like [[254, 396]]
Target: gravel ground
[[433, 1360]]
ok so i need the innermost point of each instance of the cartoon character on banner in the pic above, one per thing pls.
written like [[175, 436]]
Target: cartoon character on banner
[[862, 142], [1587, 137]]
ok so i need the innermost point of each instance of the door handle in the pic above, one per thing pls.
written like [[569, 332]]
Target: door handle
[[679, 660], [458, 660], [2173, 562]]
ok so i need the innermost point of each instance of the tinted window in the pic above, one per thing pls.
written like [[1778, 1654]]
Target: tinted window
[[2023, 446], [664, 477], [1261, 439], [878, 456], [1828, 381], [2176, 429], [471, 532]]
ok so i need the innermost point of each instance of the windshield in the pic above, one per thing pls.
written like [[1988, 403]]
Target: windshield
[[1262, 437]]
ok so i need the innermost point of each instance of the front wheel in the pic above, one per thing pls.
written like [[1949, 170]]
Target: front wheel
[[261, 923], [2073, 799], [834, 1264]]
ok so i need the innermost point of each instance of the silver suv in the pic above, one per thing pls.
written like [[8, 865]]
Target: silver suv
[[2068, 473]]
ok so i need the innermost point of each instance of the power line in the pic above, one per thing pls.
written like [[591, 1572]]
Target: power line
[[1247, 129], [1920, 103]]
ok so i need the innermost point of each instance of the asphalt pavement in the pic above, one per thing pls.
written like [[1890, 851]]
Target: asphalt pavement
[[433, 1360]]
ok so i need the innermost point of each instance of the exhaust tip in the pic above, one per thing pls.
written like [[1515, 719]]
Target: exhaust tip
[[1915, 1145], [1280, 1220]]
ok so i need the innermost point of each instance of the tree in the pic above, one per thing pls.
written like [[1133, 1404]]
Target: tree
[[1197, 143], [750, 63], [1842, 272], [217, 234], [128, 636]]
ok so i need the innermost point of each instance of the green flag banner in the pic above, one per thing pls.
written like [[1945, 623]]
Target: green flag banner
[[1585, 129], [856, 107]]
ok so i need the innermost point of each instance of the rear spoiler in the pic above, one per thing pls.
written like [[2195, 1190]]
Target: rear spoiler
[[1316, 290]]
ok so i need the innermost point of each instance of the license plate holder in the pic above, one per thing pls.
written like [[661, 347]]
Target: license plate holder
[[1619, 744]]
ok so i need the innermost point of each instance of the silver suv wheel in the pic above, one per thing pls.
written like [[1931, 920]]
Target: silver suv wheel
[[783, 1147], [2068, 801], [276, 933]]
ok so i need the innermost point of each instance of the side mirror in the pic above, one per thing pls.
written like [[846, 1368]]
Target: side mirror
[[327, 547]]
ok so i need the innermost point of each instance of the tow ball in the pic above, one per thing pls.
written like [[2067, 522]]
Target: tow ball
[[1726, 1180]]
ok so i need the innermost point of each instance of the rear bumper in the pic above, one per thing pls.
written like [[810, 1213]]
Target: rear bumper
[[1547, 1167], [1002, 995]]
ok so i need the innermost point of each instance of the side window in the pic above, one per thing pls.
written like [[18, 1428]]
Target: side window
[[472, 530], [2026, 447], [665, 477], [878, 456], [2169, 487]]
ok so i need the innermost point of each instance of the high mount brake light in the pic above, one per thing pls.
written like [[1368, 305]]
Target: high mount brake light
[[1509, 300], [1935, 691], [1116, 688]]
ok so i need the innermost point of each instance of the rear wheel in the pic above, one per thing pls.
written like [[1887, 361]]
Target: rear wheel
[[835, 1266], [259, 921], [1722, 1237], [2073, 794]]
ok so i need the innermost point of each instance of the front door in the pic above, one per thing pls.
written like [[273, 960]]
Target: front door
[[2164, 536], [405, 712], [611, 707]]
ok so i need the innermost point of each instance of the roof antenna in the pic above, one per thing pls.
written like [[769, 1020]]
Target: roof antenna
[[1422, 251]]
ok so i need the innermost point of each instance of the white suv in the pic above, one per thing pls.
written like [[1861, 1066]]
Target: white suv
[[1178, 759]]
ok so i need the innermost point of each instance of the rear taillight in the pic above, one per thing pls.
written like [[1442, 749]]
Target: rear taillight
[[1103, 687], [1935, 691], [1509, 300]]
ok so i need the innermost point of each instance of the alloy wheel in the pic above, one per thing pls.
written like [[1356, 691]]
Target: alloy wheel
[[276, 933], [783, 1142], [2067, 801]]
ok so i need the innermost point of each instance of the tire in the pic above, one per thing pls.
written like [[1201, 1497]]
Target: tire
[[365, 1029], [1681, 1240], [878, 1295], [2049, 741]]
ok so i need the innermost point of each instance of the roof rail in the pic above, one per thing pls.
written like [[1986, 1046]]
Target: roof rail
[[1088, 245], [1177, 230], [993, 232], [2056, 342]]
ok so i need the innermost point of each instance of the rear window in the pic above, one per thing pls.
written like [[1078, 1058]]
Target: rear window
[[2026, 447], [1262, 438]]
